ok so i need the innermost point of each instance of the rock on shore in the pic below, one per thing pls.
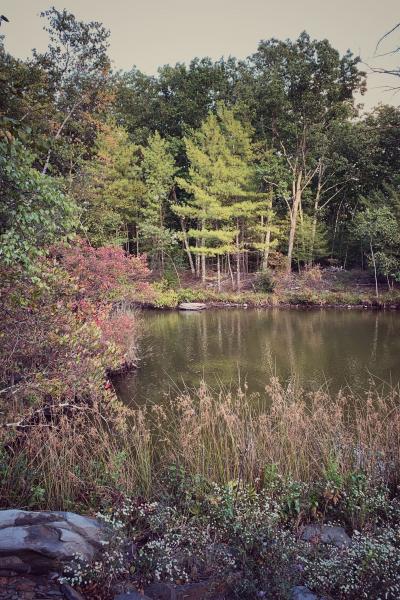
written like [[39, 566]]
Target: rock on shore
[[192, 306], [39, 542]]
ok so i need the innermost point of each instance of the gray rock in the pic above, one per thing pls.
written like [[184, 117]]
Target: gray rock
[[131, 596], [300, 592], [69, 593], [192, 306], [187, 591], [326, 534], [38, 542]]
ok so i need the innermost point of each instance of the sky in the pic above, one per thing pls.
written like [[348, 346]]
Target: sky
[[150, 33]]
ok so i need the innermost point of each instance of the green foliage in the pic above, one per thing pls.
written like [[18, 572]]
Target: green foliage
[[76, 67], [311, 241], [264, 282], [165, 297], [220, 183], [109, 188], [378, 227], [370, 568], [245, 538], [34, 210], [158, 170]]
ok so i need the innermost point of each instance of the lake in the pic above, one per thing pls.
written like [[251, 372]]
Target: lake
[[230, 346]]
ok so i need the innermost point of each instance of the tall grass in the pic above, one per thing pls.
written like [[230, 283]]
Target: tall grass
[[227, 435], [222, 435]]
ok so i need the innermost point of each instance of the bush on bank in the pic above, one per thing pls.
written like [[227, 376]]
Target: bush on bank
[[246, 540], [248, 472]]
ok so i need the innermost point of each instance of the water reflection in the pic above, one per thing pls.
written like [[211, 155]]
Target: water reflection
[[221, 346]]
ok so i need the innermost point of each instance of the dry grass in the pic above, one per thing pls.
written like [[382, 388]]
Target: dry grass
[[100, 453], [225, 436]]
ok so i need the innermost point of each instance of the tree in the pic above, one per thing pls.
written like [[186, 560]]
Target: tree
[[34, 210], [204, 149], [395, 71], [221, 187], [24, 103], [295, 91], [177, 99], [109, 189], [378, 228], [158, 172], [77, 70], [273, 182]]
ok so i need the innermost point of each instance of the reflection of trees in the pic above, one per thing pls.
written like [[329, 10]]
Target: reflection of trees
[[340, 346]]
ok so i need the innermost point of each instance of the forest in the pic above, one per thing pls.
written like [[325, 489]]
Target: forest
[[232, 166], [258, 183]]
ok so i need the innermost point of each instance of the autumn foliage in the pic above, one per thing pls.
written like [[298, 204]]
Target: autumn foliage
[[61, 334], [105, 273]]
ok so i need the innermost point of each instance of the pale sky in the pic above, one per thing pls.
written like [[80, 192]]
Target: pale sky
[[150, 33]]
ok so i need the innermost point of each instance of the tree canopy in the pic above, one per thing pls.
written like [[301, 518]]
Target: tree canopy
[[213, 165]]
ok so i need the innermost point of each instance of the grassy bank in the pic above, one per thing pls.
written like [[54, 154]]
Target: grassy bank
[[170, 298], [220, 486], [314, 287], [221, 437]]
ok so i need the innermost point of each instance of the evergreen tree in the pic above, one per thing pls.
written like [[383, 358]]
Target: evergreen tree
[[158, 172], [221, 187], [110, 189]]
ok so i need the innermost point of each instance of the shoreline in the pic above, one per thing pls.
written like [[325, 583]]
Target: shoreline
[[284, 305]]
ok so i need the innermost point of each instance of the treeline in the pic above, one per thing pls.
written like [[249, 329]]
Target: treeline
[[231, 166]]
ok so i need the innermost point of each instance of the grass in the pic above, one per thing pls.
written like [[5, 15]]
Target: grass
[[308, 297], [220, 436]]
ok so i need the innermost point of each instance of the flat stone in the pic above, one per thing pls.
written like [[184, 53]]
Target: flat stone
[[131, 596], [38, 542], [300, 592], [69, 593], [326, 534], [188, 591], [192, 306]]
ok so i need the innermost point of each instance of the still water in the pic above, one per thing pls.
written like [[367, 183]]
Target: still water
[[225, 347]]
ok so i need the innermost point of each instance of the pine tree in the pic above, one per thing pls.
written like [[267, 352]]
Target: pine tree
[[110, 189], [158, 169], [221, 185]]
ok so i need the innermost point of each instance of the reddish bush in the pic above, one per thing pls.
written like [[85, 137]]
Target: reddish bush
[[53, 344], [104, 273]]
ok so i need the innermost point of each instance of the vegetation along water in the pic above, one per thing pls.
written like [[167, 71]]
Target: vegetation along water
[[250, 449]]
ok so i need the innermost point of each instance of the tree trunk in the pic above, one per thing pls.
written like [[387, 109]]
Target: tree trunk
[[218, 273], [230, 270], [267, 239], [293, 217], [315, 217], [203, 257], [203, 266], [266, 250], [374, 263], [237, 257], [187, 248]]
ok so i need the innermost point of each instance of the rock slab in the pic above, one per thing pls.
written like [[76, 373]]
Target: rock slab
[[69, 593], [41, 542], [326, 534], [131, 596], [300, 592], [188, 591], [192, 306]]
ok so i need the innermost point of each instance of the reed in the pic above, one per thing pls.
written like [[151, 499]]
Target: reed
[[222, 435]]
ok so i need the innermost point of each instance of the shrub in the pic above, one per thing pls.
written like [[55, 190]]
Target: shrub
[[105, 273], [369, 568], [164, 297], [264, 282], [312, 274]]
